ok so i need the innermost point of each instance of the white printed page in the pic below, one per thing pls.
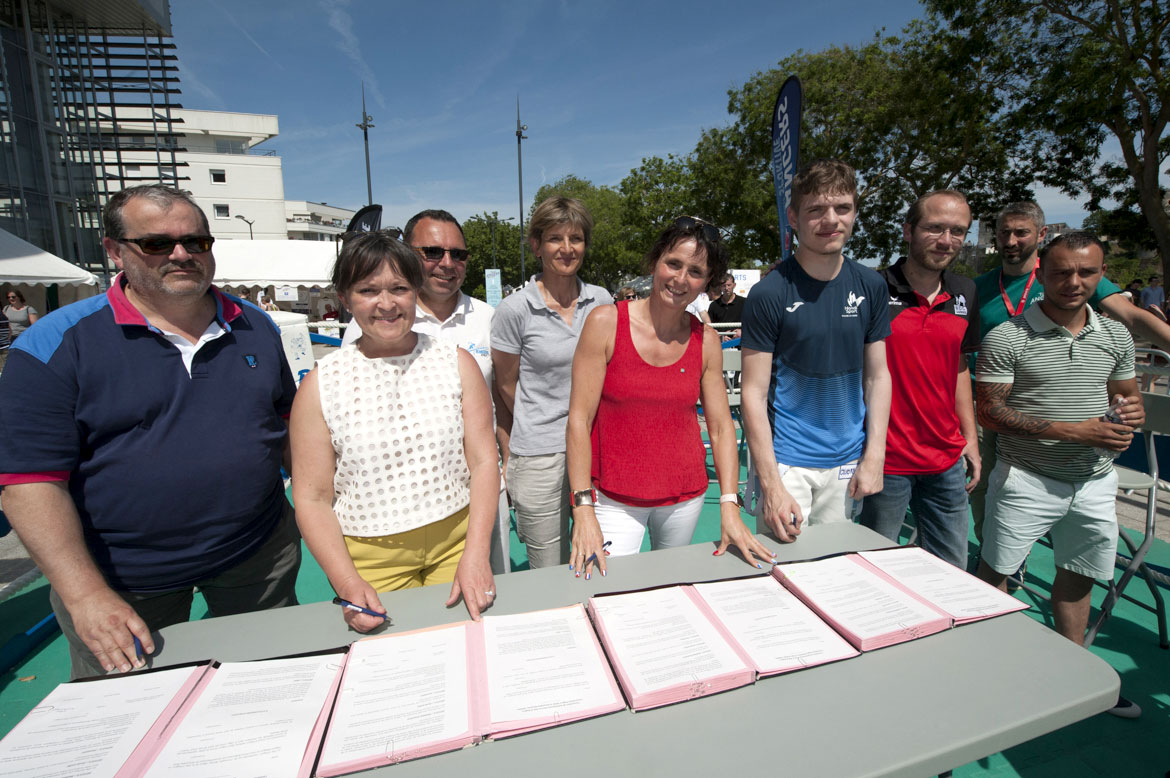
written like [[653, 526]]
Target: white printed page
[[400, 693], [857, 599], [661, 639], [544, 664], [89, 729], [776, 629], [253, 719], [955, 591]]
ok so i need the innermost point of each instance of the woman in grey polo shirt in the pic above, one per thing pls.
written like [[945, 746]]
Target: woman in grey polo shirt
[[534, 334]]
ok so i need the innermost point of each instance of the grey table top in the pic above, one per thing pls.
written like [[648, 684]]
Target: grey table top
[[913, 709]]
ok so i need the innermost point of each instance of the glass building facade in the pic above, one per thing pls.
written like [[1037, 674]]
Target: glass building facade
[[82, 84]]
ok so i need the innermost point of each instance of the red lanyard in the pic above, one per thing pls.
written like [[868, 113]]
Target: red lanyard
[[1016, 310]]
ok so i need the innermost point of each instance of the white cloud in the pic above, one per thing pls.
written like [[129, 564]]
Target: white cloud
[[342, 23], [247, 35], [189, 80]]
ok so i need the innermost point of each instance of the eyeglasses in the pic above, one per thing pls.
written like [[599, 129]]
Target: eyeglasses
[[938, 230], [628, 297], [193, 244], [710, 232], [435, 253]]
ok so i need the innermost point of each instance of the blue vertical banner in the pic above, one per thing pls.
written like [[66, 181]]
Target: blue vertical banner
[[785, 154]]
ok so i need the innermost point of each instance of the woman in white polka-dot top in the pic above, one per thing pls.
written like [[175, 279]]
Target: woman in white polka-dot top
[[394, 458]]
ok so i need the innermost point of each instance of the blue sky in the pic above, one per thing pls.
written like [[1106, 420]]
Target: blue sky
[[601, 84]]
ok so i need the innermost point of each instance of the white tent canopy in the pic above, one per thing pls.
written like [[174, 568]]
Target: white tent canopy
[[22, 263], [274, 262]]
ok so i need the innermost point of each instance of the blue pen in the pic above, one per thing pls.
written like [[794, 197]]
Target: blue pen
[[593, 556], [137, 648], [352, 607]]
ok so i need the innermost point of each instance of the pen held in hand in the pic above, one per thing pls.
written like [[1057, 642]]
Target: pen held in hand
[[593, 556], [349, 605]]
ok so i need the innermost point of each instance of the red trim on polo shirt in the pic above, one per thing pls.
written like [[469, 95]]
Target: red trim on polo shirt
[[226, 309], [12, 479]]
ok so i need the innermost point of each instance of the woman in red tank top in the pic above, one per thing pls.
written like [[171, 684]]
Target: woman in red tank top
[[635, 454]]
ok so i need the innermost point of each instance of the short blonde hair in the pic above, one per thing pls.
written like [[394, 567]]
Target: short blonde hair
[[557, 210]]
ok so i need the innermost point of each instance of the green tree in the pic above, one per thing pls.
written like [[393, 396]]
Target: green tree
[[1082, 71], [910, 114], [610, 255], [477, 231], [654, 194]]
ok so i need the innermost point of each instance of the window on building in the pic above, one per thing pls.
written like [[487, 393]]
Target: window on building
[[222, 211], [219, 176], [227, 146]]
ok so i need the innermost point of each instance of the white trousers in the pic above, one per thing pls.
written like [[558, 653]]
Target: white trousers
[[625, 525]]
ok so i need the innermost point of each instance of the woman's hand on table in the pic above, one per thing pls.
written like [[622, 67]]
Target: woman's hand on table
[[588, 543], [735, 533], [474, 583], [363, 595]]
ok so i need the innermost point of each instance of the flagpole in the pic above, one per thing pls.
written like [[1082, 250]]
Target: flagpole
[[367, 123], [520, 128]]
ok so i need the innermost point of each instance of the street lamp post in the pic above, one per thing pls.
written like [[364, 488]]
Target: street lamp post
[[249, 222], [520, 128], [367, 123], [492, 221]]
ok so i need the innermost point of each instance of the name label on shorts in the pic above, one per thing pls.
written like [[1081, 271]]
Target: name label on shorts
[[846, 472]]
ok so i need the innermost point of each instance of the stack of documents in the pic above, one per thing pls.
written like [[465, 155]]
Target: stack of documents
[[262, 719], [879, 598], [414, 694]]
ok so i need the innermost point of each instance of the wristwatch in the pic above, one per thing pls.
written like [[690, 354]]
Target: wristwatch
[[583, 497]]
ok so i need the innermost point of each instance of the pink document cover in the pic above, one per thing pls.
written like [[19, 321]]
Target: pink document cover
[[761, 672], [1005, 603], [468, 738], [156, 737], [503, 729], [313, 747], [697, 687], [906, 633]]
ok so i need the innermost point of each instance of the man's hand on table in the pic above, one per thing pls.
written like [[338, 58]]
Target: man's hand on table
[[107, 625]]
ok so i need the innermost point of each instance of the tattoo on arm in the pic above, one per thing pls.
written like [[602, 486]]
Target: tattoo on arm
[[991, 402]]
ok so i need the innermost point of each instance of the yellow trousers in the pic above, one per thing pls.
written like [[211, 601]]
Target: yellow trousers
[[417, 557]]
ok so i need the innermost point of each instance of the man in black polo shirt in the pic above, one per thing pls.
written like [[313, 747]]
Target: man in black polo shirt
[[728, 308], [931, 445]]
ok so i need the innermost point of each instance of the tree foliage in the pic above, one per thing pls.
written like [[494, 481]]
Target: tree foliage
[[1084, 71], [477, 231], [910, 113]]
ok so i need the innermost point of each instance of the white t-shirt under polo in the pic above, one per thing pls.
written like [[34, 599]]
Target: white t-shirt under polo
[[1056, 376]]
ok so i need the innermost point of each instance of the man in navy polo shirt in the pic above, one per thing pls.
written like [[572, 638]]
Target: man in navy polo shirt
[[931, 445], [816, 390], [150, 432]]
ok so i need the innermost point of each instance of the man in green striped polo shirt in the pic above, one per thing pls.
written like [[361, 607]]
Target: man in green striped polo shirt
[[1044, 381]]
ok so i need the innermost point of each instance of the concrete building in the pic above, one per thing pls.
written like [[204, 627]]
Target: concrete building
[[232, 180], [315, 221]]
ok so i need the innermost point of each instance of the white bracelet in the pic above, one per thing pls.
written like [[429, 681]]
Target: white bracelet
[[729, 498]]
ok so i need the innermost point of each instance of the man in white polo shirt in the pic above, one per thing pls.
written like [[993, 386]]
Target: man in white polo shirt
[[1044, 381]]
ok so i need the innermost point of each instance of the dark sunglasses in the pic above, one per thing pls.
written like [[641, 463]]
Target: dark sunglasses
[[192, 244], [710, 232], [435, 253], [628, 297]]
